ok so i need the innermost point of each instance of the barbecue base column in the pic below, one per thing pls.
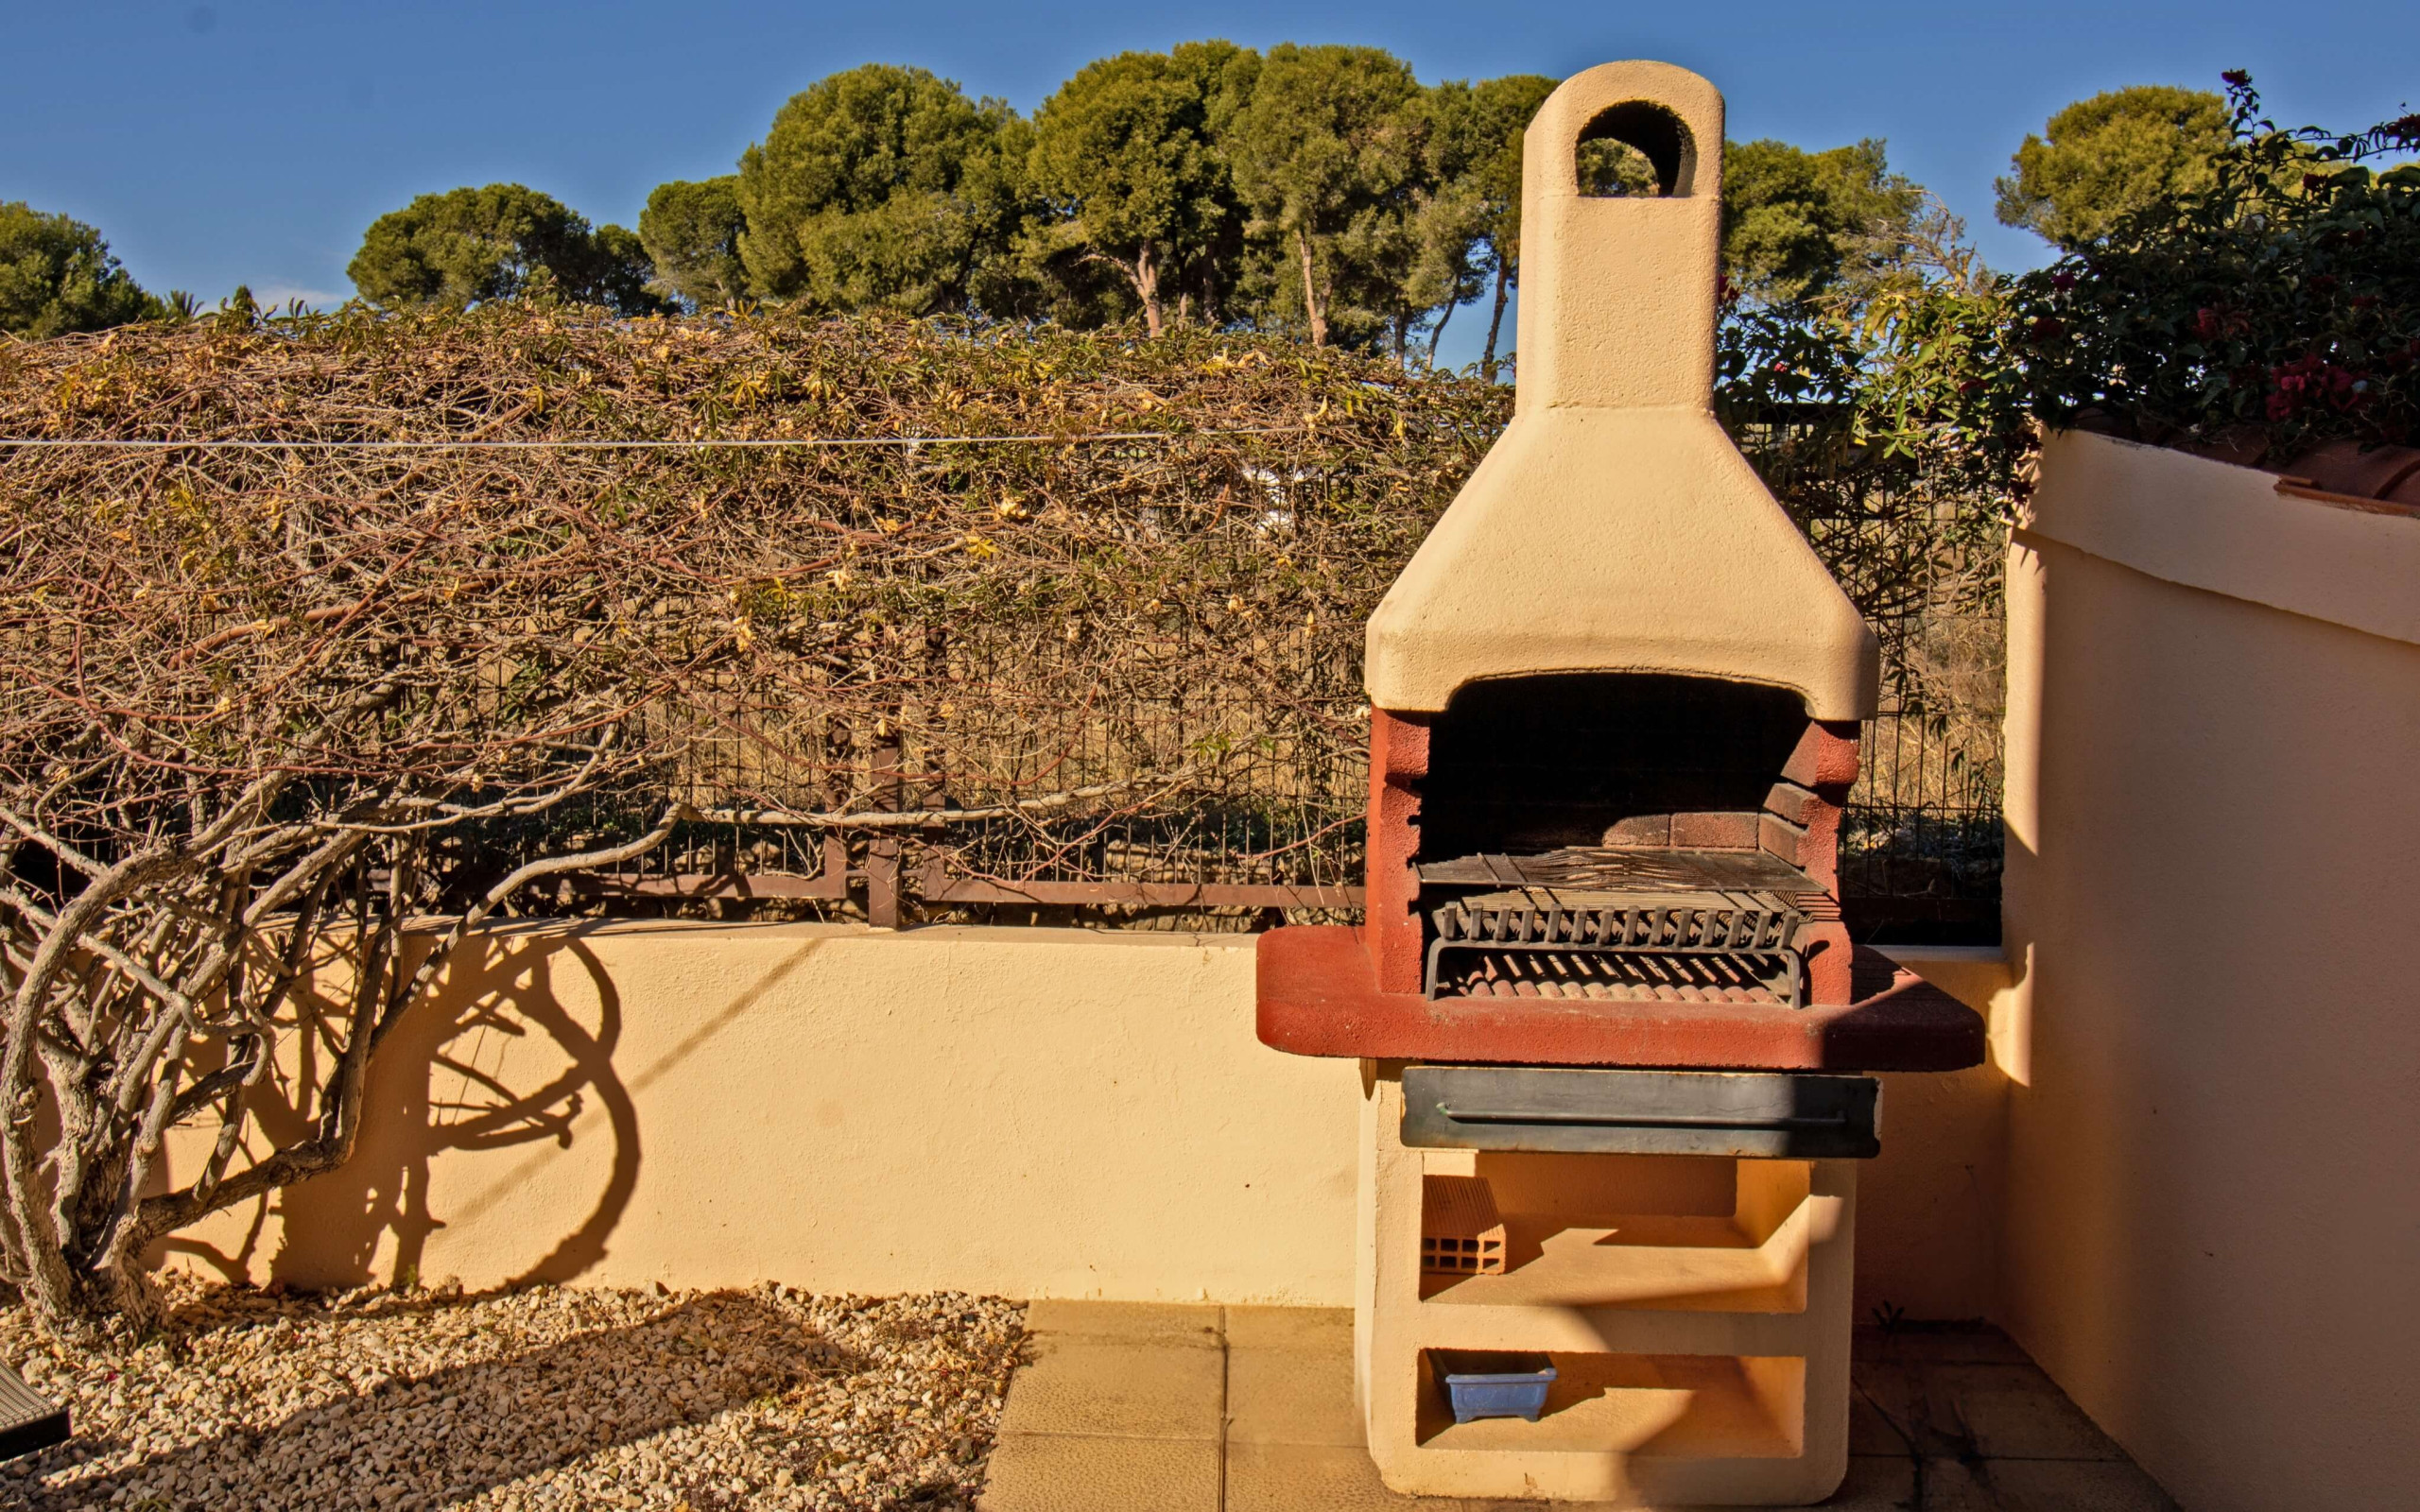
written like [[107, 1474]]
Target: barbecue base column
[[1695, 1309]]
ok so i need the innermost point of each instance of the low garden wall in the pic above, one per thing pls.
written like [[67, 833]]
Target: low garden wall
[[2213, 1119], [1027, 1112]]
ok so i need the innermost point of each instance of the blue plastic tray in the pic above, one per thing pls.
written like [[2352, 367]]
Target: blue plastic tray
[[1481, 1384]]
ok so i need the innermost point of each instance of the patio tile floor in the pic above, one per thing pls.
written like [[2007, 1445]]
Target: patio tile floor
[[1130, 1407]]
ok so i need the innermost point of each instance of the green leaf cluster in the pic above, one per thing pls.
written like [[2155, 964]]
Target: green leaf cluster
[[499, 242], [2273, 308], [2102, 159], [57, 276], [1799, 224], [691, 235], [883, 188]]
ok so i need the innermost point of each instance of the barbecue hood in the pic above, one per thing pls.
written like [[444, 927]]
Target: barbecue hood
[[1614, 527]]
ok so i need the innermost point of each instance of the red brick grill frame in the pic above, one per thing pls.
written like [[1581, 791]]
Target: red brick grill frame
[[1800, 824], [1337, 990]]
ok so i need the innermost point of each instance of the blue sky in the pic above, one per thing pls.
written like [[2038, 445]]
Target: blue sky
[[251, 140]]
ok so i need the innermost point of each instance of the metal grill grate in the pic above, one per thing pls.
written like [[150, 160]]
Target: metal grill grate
[[1614, 925]]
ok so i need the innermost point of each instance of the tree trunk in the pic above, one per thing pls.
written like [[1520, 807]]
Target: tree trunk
[[1495, 324], [1437, 332], [1311, 292], [1147, 283]]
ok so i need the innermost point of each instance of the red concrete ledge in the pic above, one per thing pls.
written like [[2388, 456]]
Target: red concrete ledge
[[1319, 997]]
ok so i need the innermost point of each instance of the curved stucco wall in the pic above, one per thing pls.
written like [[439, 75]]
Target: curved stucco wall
[[2214, 736]]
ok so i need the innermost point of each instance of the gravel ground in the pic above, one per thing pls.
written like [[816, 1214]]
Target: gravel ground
[[547, 1398]]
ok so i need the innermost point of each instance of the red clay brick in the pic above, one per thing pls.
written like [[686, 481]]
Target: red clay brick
[[1780, 837], [1714, 832], [1398, 759], [1641, 831], [1825, 757], [1790, 802]]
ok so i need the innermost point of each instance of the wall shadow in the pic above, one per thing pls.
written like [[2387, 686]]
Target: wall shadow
[[496, 1060]]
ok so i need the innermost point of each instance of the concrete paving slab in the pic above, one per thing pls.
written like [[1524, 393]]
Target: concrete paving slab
[[1150, 1408], [1169, 1322], [1118, 1389], [1875, 1482], [1292, 1397], [2075, 1485], [1939, 1344], [2016, 1411], [1067, 1472], [1322, 1328], [1299, 1477]]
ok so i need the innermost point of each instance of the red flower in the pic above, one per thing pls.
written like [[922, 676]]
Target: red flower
[[2206, 323], [2063, 281], [2048, 329], [2280, 406], [2312, 182], [2365, 301], [2322, 284]]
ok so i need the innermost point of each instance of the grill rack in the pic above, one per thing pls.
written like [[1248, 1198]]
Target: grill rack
[[1608, 924]]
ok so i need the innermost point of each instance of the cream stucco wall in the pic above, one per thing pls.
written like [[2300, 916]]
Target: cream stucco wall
[[1044, 1113], [2214, 1122], [1025, 1113], [1928, 1205]]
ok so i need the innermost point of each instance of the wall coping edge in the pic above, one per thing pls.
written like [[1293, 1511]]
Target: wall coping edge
[[2227, 529]]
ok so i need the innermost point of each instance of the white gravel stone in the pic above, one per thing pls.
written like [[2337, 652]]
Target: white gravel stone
[[547, 1397]]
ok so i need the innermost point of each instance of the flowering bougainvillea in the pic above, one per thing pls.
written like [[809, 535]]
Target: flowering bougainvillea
[[2277, 309]]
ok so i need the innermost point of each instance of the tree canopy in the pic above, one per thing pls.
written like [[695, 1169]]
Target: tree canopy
[[691, 233], [57, 275], [2102, 158], [882, 188], [469, 246], [1326, 155], [1125, 151], [1797, 224]]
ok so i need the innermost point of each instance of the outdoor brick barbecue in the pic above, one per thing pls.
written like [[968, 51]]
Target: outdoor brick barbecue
[[1615, 709], [1615, 702]]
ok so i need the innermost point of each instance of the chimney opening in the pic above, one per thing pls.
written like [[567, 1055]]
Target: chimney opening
[[1634, 150]]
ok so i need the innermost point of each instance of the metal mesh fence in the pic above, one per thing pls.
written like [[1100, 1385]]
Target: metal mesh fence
[[1267, 823]]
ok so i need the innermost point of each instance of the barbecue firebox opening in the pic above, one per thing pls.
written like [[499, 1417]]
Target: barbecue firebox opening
[[1521, 765], [1629, 838]]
